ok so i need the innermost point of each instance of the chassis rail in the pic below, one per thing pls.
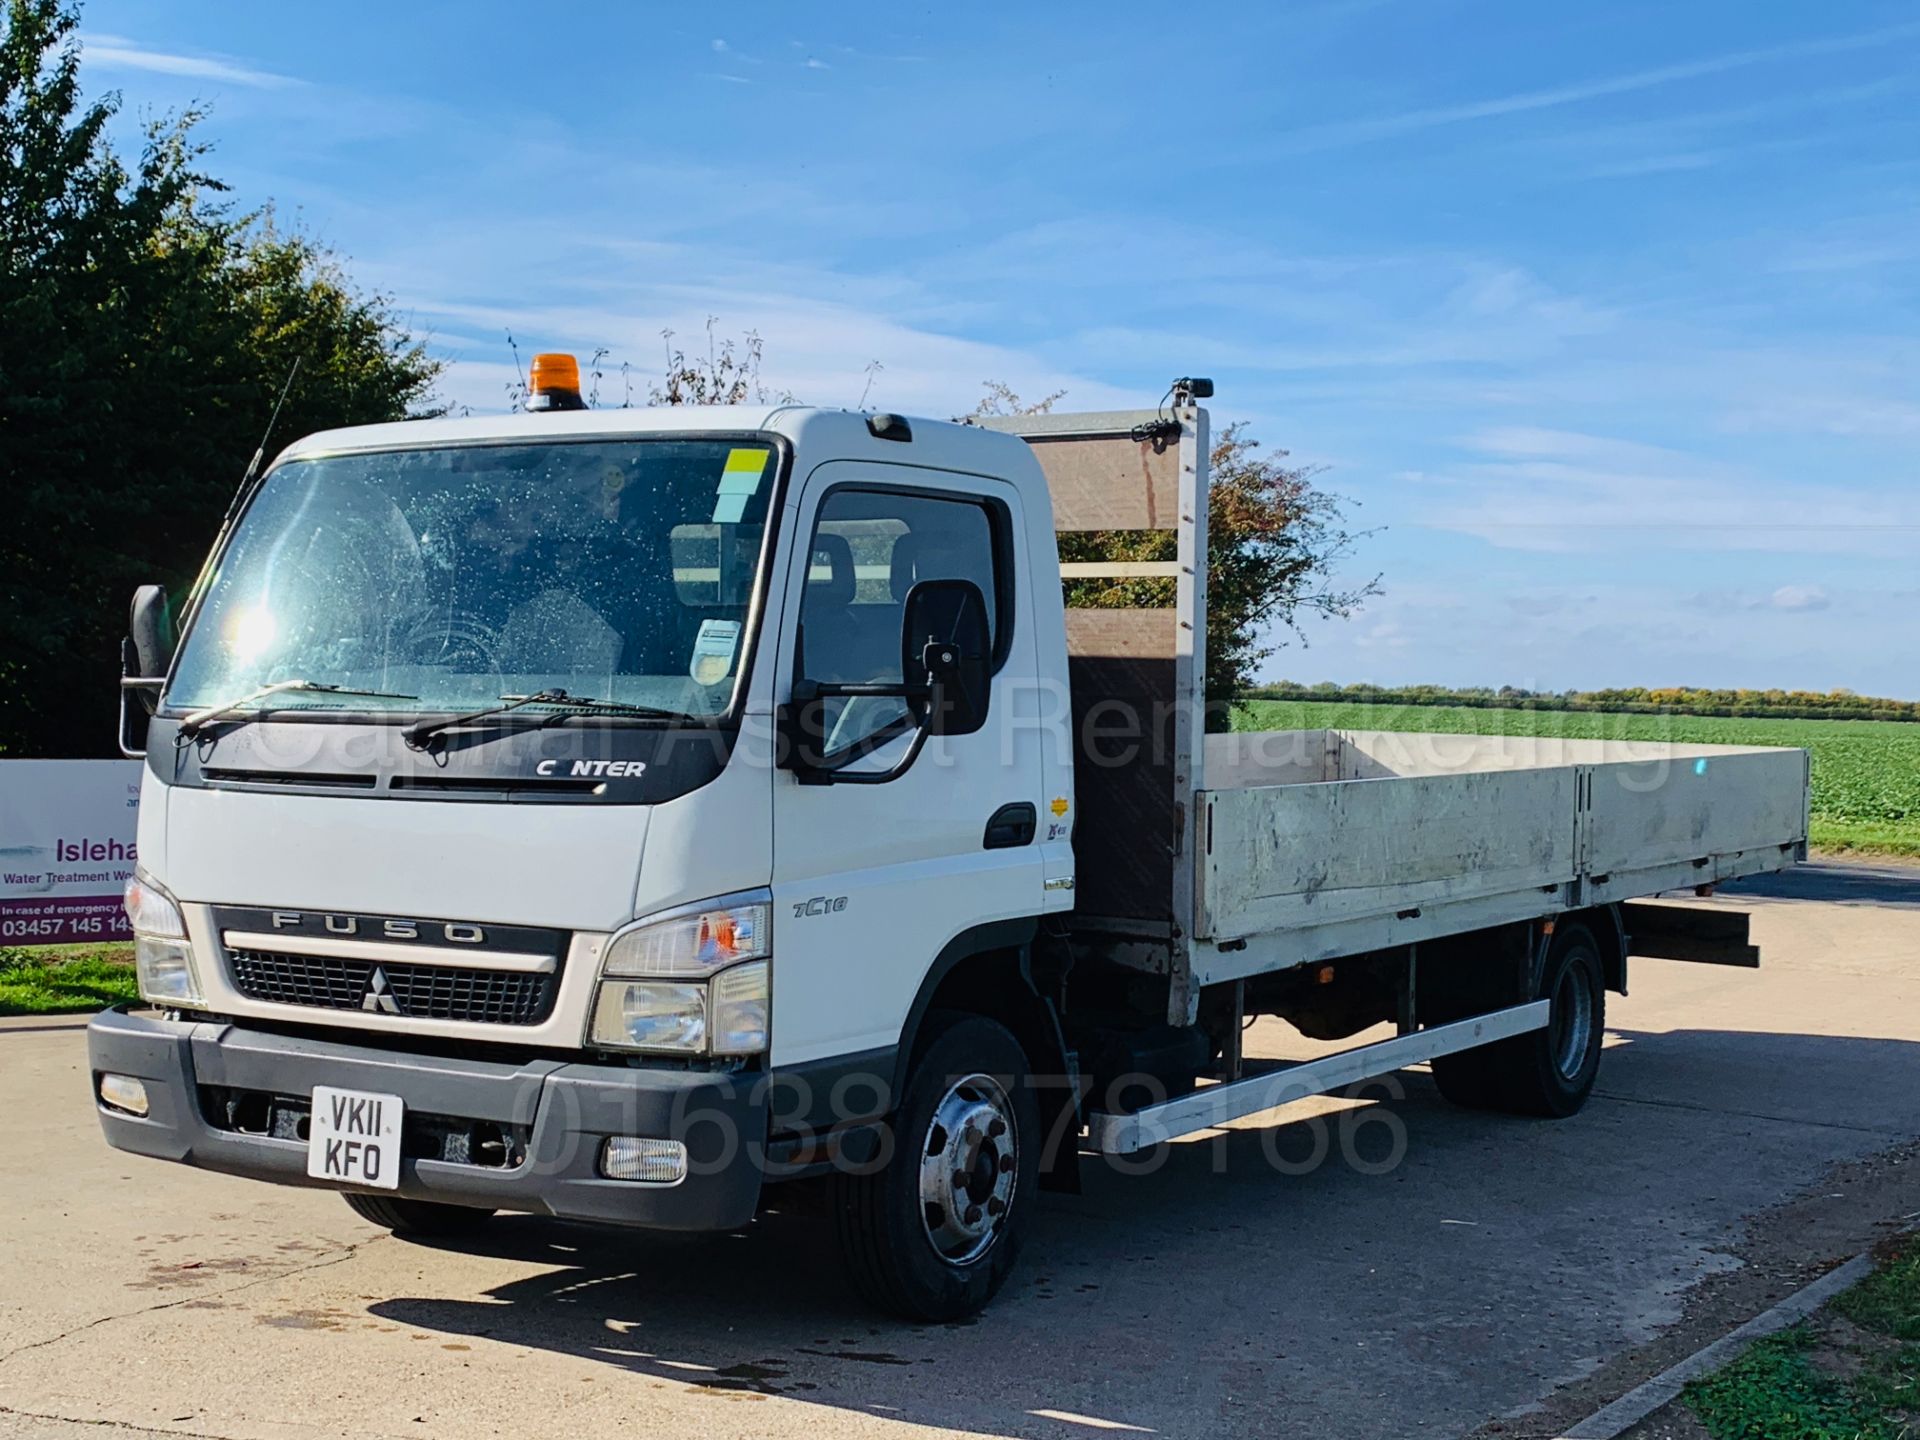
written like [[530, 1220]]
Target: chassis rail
[[1214, 1105]]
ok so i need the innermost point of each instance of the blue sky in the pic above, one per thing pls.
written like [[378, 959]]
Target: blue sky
[[1604, 314]]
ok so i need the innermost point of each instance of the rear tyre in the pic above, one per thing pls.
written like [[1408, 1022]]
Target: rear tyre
[[931, 1234], [1547, 1072], [1464, 1079], [427, 1219]]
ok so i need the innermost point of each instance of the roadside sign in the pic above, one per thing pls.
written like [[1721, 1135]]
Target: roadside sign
[[66, 849]]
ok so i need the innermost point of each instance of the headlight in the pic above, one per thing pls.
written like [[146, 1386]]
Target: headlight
[[721, 1007], [162, 958], [165, 971], [694, 942], [152, 910], [647, 1015], [739, 1023]]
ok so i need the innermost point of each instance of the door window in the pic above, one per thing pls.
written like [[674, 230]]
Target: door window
[[869, 548]]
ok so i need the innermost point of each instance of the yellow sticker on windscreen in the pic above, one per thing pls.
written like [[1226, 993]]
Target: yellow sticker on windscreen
[[739, 478]]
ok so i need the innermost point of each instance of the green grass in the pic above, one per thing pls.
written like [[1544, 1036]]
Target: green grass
[[1813, 1383], [1866, 773], [61, 979], [1889, 1300], [1774, 1392]]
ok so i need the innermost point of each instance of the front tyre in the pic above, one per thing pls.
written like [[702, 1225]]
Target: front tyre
[[932, 1233]]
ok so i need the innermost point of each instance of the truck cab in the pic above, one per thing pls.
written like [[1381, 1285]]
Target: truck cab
[[580, 782]]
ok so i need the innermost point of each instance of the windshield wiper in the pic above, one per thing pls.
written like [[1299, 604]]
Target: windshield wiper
[[417, 735], [194, 723]]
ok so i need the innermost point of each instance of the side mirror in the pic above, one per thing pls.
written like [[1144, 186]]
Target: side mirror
[[945, 645], [145, 655], [945, 650], [150, 623]]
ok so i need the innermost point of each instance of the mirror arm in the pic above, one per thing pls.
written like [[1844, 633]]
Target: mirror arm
[[805, 691], [147, 687], [880, 777]]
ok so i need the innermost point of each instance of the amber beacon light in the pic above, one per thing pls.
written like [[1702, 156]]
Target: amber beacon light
[[554, 383]]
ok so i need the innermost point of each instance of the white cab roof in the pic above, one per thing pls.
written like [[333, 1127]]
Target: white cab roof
[[939, 444]]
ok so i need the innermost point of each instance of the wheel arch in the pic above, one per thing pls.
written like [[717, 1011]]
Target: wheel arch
[[981, 971], [1610, 934], [987, 971]]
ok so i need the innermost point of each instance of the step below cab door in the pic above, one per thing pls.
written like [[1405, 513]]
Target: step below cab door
[[871, 881]]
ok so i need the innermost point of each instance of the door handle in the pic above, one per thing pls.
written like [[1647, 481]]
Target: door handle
[[1011, 826]]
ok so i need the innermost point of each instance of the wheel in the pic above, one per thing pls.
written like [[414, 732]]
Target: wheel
[[1547, 1072], [1463, 1079], [932, 1233], [426, 1218]]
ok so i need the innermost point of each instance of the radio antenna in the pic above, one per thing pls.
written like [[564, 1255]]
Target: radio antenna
[[260, 455], [245, 487]]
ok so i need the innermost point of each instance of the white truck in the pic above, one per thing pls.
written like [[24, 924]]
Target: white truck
[[618, 814]]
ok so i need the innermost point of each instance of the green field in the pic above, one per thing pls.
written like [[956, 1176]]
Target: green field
[[1866, 773]]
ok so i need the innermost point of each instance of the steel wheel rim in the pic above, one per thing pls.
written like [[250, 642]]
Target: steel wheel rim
[[1572, 1022], [969, 1163]]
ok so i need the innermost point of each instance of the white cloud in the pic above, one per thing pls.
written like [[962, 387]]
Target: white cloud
[[819, 351], [1833, 414], [1381, 635], [818, 341], [1590, 635], [1556, 490], [116, 52], [1457, 313], [1799, 597], [1644, 165], [1381, 127]]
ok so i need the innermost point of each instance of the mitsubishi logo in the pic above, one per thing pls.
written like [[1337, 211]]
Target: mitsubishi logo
[[380, 995]]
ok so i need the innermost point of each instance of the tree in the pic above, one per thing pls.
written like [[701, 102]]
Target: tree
[[1001, 400], [726, 375], [1273, 541], [145, 330]]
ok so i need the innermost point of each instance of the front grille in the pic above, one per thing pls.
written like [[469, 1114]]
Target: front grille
[[418, 992]]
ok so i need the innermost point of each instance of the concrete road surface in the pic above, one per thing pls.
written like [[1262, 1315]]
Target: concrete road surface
[[1373, 1293]]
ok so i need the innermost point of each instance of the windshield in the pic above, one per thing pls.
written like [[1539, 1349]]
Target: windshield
[[618, 570]]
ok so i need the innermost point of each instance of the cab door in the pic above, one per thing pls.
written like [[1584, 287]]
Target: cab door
[[871, 881]]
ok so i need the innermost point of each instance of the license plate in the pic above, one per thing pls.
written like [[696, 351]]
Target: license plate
[[354, 1138]]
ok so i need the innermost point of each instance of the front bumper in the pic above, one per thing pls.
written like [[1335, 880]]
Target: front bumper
[[561, 1111]]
